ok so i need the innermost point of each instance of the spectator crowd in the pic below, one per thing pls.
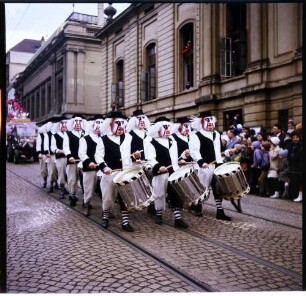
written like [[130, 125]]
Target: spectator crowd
[[272, 160]]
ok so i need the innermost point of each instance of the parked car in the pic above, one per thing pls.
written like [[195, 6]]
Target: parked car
[[21, 141]]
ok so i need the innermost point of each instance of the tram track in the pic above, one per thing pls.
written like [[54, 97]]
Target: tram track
[[199, 285]]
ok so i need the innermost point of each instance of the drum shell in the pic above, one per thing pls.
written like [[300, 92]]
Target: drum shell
[[136, 193], [189, 189], [231, 184]]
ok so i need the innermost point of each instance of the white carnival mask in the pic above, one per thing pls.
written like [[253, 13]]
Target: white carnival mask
[[118, 126], [208, 123], [165, 131], [140, 121], [78, 123], [184, 129], [97, 125], [63, 125]]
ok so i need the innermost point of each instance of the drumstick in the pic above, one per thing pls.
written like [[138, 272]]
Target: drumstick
[[116, 170], [212, 162], [132, 154]]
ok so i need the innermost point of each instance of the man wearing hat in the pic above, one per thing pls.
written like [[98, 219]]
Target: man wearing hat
[[162, 154], [137, 127], [41, 154], [57, 140], [51, 167], [205, 148], [76, 127], [113, 153], [87, 150], [181, 136]]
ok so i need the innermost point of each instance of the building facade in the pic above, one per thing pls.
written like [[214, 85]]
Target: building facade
[[61, 78], [17, 59], [179, 59]]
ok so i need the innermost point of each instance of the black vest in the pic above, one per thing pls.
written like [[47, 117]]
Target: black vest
[[207, 149], [59, 144], [73, 145], [137, 144], [112, 156], [91, 151]]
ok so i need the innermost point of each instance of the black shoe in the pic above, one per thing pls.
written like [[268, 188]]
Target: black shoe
[[66, 191], [151, 209], [73, 202], [180, 223], [159, 219], [221, 216], [105, 223], [44, 185], [198, 210], [50, 190], [127, 227], [55, 185]]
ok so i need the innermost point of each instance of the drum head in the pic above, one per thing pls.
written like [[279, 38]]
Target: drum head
[[181, 173], [127, 174], [227, 168]]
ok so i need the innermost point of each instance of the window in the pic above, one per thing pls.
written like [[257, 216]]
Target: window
[[148, 78], [236, 32], [187, 58], [49, 105], [59, 95], [118, 87]]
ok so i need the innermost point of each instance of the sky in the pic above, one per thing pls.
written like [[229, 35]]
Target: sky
[[34, 20]]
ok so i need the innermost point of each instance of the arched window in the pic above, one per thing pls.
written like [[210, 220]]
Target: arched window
[[187, 59], [148, 77], [118, 86]]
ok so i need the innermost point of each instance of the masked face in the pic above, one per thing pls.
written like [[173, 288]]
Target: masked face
[[97, 126], [208, 123], [63, 125], [140, 121], [118, 126], [165, 131], [184, 129], [78, 123]]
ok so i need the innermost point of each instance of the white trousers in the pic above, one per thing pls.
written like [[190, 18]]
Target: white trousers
[[109, 191], [61, 164], [72, 178], [43, 166], [89, 183], [52, 170], [159, 184]]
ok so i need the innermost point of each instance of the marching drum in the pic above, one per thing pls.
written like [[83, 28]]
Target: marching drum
[[134, 188], [187, 185], [231, 180]]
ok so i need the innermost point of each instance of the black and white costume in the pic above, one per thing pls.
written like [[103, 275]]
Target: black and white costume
[[113, 153], [50, 160], [87, 151], [57, 140], [181, 134], [71, 150], [162, 154], [205, 148], [41, 154]]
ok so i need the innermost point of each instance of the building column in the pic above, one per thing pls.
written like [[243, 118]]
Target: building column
[[70, 68], [207, 42], [80, 81], [255, 29]]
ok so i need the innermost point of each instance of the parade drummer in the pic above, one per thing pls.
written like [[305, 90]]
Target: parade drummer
[[50, 160], [57, 139], [113, 154], [137, 127], [41, 154], [87, 150], [161, 153], [181, 134], [76, 126], [205, 148]]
